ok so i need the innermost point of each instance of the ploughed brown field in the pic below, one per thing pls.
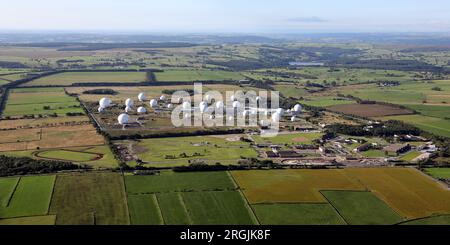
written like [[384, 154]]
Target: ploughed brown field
[[370, 110]]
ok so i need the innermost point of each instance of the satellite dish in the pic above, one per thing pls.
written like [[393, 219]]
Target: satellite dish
[[236, 104], [141, 110], [141, 97], [104, 102], [153, 103], [129, 102], [276, 117], [123, 119]]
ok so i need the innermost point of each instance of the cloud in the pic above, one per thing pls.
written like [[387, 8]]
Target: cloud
[[311, 19]]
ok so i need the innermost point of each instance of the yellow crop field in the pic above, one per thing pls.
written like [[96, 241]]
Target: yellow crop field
[[288, 186], [407, 191]]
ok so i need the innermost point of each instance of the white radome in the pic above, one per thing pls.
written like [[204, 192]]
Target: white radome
[[163, 97], [233, 98], [153, 103], [123, 118], [203, 105], [276, 117], [297, 108], [104, 102], [292, 119], [186, 105], [129, 102], [141, 97], [169, 106], [219, 105], [208, 98], [141, 110], [280, 111], [101, 109], [128, 109], [236, 104]]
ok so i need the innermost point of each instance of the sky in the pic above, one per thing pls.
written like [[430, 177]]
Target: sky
[[226, 16]]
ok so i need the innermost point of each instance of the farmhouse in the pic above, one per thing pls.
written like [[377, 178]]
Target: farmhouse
[[397, 148]]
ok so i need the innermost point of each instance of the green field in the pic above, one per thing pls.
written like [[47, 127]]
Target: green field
[[196, 75], [186, 198], [410, 156], [170, 181], [408, 93], [433, 125], [167, 151], [81, 155], [95, 198], [30, 198], [67, 155], [31, 101], [361, 208], [144, 210], [297, 214], [68, 78], [440, 173], [84, 155], [373, 153], [7, 186], [173, 209], [290, 139], [441, 111], [326, 101], [217, 208]]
